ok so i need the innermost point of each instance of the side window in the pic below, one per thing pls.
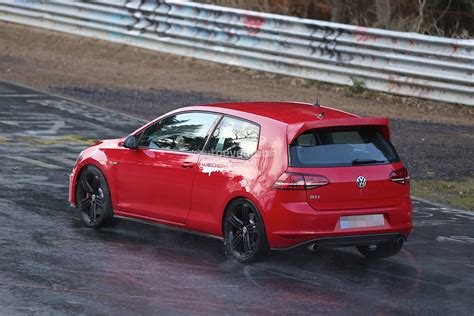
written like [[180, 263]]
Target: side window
[[234, 138], [183, 132]]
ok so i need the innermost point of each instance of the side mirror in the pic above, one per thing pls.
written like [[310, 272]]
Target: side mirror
[[131, 142]]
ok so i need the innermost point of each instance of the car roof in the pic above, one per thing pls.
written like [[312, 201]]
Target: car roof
[[285, 112], [301, 117]]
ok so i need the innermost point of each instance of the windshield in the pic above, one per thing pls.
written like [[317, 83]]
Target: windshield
[[341, 147]]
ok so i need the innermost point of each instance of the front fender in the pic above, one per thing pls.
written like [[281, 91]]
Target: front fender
[[102, 165]]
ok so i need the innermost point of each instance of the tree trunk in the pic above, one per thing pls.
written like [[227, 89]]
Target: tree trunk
[[383, 11], [337, 12]]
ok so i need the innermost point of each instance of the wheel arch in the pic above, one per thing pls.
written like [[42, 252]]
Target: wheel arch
[[230, 201], [99, 167]]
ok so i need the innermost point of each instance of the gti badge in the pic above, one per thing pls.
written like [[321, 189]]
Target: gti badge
[[361, 181]]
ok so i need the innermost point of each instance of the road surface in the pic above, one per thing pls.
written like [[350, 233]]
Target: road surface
[[51, 264]]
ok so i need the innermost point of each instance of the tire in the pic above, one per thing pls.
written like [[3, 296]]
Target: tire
[[381, 250], [244, 231], [93, 198]]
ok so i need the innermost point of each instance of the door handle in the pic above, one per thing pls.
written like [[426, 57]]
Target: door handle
[[187, 164]]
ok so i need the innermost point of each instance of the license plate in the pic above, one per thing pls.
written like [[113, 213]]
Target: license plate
[[359, 221]]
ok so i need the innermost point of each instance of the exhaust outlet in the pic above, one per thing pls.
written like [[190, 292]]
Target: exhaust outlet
[[313, 247], [401, 241]]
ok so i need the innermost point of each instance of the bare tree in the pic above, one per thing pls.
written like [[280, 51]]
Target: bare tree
[[421, 15], [437, 30], [338, 8], [383, 10]]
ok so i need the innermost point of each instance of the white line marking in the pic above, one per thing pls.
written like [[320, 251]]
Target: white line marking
[[460, 239], [54, 185], [66, 161], [11, 123], [34, 162], [451, 209], [20, 95]]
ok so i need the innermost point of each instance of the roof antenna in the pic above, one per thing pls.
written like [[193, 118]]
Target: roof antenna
[[317, 95]]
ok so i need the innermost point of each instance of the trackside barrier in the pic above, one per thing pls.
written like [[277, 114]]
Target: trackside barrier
[[402, 63]]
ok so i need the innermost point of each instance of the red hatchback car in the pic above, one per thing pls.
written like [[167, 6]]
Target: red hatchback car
[[260, 176]]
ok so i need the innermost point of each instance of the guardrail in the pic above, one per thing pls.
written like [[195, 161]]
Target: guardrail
[[408, 64]]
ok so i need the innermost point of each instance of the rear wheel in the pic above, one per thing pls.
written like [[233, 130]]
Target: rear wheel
[[92, 194], [244, 231], [381, 250]]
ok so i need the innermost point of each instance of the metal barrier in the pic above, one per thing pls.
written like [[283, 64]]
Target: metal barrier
[[408, 64]]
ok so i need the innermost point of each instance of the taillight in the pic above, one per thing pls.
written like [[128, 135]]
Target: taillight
[[400, 176], [297, 181]]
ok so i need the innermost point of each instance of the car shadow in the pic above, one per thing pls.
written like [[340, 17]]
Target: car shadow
[[296, 274], [197, 248]]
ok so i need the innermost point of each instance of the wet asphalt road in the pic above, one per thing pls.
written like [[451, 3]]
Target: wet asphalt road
[[51, 264]]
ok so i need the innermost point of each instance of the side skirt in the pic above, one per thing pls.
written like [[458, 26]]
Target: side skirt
[[183, 230]]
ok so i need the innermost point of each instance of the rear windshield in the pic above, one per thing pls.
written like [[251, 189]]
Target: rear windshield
[[341, 147]]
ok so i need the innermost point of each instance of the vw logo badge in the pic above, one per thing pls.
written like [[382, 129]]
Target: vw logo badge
[[361, 181]]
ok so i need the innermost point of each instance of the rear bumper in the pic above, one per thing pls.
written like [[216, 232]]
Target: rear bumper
[[293, 224], [356, 240]]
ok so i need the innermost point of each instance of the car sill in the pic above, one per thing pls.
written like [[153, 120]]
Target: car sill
[[168, 227]]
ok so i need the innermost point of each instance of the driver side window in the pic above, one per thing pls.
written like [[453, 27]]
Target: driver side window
[[183, 132]]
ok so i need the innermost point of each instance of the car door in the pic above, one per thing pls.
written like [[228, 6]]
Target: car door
[[224, 167], [155, 181]]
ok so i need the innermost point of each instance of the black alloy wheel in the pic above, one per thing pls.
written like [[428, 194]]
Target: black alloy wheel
[[93, 198], [244, 231]]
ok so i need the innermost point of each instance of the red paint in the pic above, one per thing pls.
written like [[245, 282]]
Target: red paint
[[361, 37], [254, 23], [153, 185]]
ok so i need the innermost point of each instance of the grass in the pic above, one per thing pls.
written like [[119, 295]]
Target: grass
[[55, 140], [458, 194], [358, 86]]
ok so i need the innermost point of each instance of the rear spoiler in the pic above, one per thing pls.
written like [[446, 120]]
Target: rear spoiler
[[294, 130]]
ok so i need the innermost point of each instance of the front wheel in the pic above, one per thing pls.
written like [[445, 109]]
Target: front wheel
[[93, 196], [381, 250], [244, 231]]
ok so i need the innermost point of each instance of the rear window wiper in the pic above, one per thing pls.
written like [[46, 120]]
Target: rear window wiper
[[365, 161]]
